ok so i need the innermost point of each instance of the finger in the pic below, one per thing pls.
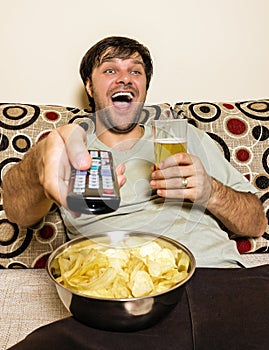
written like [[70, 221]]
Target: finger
[[189, 193], [120, 170], [74, 137], [55, 163], [174, 183], [55, 175], [175, 171], [176, 159]]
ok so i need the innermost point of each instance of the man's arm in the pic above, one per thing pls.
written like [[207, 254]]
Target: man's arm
[[241, 212], [24, 199], [41, 178]]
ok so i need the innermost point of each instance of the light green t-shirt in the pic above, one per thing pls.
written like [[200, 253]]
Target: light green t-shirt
[[142, 210]]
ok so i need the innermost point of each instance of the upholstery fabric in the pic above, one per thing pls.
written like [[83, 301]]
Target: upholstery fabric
[[21, 126], [28, 300], [241, 130]]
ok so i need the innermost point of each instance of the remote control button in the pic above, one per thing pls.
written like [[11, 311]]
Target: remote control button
[[106, 171], [107, 182], [81, 172], [94, 154], [79, 190], [104, 154], [108, 192], [93, 181], [80, 181]]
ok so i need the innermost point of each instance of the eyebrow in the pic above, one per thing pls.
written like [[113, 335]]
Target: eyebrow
[[113, 59]]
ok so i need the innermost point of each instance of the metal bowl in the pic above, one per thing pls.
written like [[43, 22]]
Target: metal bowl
[[128, 314]]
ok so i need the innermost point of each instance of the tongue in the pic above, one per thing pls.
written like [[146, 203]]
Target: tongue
[[121, 104]]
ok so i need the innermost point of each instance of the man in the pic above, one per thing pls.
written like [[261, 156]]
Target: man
[[193, 195], [116, 73]]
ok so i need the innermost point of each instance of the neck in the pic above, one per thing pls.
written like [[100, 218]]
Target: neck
[[120, 142]]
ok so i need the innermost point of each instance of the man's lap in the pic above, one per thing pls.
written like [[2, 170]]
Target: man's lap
[[220, 309]]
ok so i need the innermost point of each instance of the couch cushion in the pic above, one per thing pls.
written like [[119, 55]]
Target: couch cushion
[[241, 130], [22, 125]]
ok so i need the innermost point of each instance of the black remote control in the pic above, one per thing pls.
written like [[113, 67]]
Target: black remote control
[[96, 190]]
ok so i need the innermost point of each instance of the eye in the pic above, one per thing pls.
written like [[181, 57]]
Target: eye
[[136, 72], [110, 71]]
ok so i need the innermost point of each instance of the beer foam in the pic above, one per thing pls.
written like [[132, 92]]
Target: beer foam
[[171, 141]]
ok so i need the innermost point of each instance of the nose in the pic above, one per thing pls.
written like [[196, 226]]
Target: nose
[[124, 78]]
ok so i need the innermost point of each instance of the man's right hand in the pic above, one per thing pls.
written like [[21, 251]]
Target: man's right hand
[[30, 186], [63, 146], [41, 178]]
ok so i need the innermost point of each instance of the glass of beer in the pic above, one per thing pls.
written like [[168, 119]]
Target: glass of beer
[[170, 137]]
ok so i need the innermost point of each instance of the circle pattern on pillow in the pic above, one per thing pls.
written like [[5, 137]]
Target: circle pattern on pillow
[[18, 117], [51, 116], [236, 126], [21, 143], [205, 112], [257, 110]]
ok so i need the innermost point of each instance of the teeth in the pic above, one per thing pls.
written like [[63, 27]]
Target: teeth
[[127, 94]]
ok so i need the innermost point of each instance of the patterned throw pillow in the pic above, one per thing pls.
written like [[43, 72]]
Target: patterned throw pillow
[[22, 125], [241, 130]]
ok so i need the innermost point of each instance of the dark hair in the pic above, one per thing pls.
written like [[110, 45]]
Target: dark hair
[[118, 47]]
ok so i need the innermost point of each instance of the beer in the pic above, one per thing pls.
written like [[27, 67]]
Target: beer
[[166, 147]]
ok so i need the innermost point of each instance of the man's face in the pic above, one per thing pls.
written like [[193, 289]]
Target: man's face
[[118, 87]]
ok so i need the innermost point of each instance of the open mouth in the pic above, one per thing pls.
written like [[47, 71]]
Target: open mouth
[[122, 98]]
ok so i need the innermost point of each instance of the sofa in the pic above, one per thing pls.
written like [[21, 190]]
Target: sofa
[[29, 300]]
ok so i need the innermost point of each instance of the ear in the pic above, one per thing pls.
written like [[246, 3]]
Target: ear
[[88, 87]]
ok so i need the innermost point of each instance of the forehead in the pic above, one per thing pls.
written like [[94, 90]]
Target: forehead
[[111, 53]]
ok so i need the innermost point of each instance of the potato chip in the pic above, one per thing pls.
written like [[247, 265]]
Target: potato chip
[[141, 284], [121, 272]]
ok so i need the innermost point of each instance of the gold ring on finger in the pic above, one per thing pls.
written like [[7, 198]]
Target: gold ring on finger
[[184, 182]]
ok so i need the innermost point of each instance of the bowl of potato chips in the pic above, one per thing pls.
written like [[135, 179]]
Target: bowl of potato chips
[[121, 280]]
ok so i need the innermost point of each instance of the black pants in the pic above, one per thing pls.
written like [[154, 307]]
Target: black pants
[[221, 309]]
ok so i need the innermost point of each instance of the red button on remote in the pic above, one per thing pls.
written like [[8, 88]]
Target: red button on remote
[[108, 191]]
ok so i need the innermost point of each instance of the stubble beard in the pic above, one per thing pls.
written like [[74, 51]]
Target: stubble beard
[[112, 120]]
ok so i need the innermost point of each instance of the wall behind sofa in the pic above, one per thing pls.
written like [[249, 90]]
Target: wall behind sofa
[[202, 49]]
